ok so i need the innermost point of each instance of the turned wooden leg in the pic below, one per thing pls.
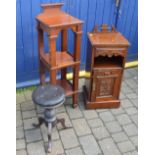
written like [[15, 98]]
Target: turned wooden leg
[[75, 85], [75, 100], [42, 73], [63, 73], [64, 40], [53, 77], [49, 149]]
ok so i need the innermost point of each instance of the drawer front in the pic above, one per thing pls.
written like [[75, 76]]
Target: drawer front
[[110, 52], [106, 84]]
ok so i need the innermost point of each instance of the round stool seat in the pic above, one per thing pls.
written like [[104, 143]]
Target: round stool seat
[[49, 95]]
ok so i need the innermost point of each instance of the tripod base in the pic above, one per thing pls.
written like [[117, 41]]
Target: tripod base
[[50, 121]]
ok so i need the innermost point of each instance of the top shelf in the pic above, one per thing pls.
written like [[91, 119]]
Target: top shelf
[[52, 16]]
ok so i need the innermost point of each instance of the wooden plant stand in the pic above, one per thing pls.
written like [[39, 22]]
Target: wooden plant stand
[[52, 21], [105, 64]]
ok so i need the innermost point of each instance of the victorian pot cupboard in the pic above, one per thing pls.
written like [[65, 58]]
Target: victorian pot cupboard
[[52, 21], [105, 64]]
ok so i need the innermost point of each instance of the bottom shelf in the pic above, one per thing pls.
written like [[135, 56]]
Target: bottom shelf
[[67, 86]]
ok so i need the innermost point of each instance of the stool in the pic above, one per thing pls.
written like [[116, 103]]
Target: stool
[[49, 97]]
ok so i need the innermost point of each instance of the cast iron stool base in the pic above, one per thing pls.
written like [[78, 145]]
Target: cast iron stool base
[[50, 121]]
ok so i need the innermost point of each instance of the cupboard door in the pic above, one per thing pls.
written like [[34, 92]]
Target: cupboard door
[[106, 84]]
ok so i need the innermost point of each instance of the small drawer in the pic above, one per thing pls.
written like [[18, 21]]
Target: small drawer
[[110, 52], [107, 72]]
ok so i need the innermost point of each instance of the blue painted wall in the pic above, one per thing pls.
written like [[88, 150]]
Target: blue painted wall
[[127, 24], [90, 11]]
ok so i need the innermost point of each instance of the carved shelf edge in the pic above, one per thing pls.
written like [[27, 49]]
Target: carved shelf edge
[[108, 52]]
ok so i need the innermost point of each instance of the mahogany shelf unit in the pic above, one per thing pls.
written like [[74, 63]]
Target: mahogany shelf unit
[[52, 21], [105, 64]]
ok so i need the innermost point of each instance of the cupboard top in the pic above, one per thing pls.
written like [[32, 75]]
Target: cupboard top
[[108, 39]]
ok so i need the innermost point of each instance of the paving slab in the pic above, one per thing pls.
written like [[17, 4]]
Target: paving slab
[[113, 127], [57, 148], [135, 119], [20, 144], [134, 140], [74, 113], [33, 135], [106, 116], [122, 95], [131, 130], [126, 89], [123, 119], [19, 121], [17, 107], [81, 127], [20, 98], [36, 148], [131, 153], [131, 95], [131, 110], [69, 138], [126, 146], [21, 152], [28, 95], [29, 114], [119, 137], [28, 123], [109, 147], [75, 151], [126, 103], [93, 123], [127, 74], [100, 133], [19, 132], [28, 106], [117, 111], [89, 145], [135, 102], [131, 83], [90, 114]]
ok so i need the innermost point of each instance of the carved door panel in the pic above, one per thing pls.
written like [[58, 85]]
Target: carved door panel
[[106, 85]]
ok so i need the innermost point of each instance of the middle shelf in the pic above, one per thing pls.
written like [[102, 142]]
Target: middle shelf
[[63, 59]]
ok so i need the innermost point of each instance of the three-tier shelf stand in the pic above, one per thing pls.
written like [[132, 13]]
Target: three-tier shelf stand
[[52, 21]]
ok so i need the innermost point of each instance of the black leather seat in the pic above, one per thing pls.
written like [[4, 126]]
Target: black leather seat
[[49, 95]]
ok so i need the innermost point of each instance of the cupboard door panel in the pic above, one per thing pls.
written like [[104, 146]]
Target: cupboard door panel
[[106, 85]]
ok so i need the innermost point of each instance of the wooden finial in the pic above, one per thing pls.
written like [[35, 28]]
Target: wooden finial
[[104, 28], [95, 29], [113, 29]]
